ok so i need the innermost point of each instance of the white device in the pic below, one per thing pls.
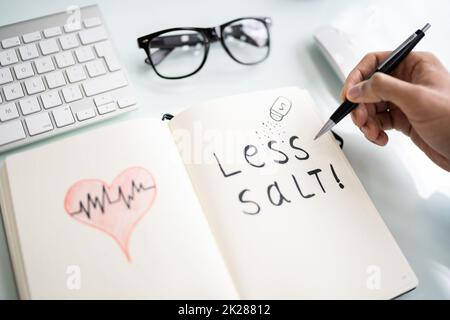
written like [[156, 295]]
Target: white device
[[338, 48], [58, 73]]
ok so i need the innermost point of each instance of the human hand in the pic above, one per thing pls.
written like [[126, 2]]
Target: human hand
[[415, 100]]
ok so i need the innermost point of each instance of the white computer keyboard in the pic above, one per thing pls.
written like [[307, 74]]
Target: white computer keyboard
[[57, 75]]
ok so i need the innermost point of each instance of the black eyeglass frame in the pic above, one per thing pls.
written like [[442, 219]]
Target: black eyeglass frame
[[210, 35]]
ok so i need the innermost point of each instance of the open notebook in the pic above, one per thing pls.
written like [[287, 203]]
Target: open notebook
[[231, 199]]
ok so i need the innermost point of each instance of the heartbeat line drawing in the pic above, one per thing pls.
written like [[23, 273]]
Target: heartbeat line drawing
[[105, 199], [115, 209]]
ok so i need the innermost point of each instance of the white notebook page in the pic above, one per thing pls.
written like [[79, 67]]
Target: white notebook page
[[286, 238], [170, 252]]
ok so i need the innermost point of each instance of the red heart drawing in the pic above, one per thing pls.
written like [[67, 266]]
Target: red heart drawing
[[115, 209]]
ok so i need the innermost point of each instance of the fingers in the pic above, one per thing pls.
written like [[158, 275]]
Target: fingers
[[363, 70], [409, 97], [385, 120], [360, 116], [375, 94], [371, 124], [373, 132], [416, 57], [372, 60], [381, 87], [382, 139]]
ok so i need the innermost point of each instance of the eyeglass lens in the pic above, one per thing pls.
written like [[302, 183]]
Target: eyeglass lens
[[247, 40], [177, 53]]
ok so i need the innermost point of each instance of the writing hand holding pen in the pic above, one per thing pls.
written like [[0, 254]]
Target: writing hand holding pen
[[415, 100]]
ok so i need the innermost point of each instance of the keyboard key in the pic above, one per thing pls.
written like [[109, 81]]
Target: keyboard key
[[69, 41], [71, 27], [8, 57], [52, 32], [105, 50], [11, 131], [5, 76], [44, 65], [48, 47], [10, 42], [107, 108], [93, 35], [51, 99], [95, 68], [102, 99], [104, 83], [23, 70], [85, 114], [29, 105], [71, 93], [63, 116], [31, 37], [92, 22], [112, 63], [127, 101], [84, 54], [34, 85], [64, 59], [13, 91], [28, 52], [38, 123], [75, 73], [8, 112], [55, 80]]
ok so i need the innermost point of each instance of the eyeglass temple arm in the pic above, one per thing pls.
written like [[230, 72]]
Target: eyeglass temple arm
[[167, 44], [159, 56]]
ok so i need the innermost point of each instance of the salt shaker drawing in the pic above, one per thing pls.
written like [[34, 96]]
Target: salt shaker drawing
[[280, 108]]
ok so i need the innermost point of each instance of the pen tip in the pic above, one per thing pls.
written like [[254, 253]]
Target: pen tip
[[327, 127]]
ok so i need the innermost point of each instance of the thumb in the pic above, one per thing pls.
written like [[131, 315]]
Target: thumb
[[381, 87]]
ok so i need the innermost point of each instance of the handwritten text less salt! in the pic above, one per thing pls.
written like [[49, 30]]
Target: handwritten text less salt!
[[274, 192]]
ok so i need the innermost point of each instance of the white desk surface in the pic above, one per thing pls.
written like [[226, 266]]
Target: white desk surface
[[411, 194]]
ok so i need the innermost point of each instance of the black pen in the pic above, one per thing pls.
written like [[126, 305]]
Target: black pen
[[387, 67]]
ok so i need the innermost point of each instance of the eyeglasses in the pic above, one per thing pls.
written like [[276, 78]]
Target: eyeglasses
[[181, 52]]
